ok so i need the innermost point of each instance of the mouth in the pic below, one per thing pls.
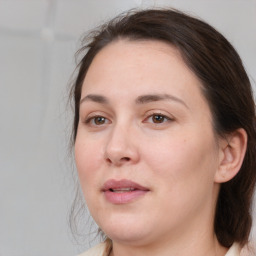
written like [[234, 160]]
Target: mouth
[[123, 191]]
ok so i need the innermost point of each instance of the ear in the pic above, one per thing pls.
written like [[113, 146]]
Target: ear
[[231, 155]]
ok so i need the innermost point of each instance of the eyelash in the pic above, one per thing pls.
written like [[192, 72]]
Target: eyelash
[[92, 119], [164, 118]]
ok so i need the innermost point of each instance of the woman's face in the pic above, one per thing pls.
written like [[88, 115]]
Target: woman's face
[[145, 150]]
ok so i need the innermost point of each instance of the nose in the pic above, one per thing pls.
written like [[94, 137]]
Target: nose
[[121, 147]]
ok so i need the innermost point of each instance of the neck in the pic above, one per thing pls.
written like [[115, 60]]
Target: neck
[[194, 238], [212, 248]]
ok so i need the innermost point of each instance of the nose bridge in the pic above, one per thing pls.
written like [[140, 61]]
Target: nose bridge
[[121, 146]]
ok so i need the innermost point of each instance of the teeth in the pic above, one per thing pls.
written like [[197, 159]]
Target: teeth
[[121, 190]]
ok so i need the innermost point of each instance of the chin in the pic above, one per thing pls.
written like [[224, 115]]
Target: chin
[[126, 232], [128, 237]]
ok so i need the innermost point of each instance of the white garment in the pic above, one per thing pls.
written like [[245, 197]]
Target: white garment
[[99, 250]]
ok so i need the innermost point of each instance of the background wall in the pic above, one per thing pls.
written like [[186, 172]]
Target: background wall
[[38, 39]]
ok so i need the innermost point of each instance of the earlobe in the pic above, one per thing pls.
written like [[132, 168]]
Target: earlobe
[[232, 152]]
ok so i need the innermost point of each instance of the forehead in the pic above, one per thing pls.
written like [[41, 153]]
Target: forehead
[[136, 56], [140, 67]]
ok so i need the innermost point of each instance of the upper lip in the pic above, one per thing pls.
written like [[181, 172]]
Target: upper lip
[[119, 184]]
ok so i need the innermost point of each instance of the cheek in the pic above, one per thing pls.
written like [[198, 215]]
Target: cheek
[[182, 160], [185, 169], [88, 160]]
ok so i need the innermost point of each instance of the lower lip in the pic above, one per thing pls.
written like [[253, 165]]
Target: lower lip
[[124, 197]]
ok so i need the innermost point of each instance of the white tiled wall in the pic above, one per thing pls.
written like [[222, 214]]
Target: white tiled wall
[[38, 39]]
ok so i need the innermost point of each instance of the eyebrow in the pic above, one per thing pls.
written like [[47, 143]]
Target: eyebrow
[[158, 97], [143, 99], [95, 98]]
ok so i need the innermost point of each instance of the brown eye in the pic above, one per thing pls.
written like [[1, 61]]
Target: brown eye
[[99, 120], [158, 118]]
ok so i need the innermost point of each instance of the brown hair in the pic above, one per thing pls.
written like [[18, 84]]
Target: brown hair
[[225, 85]]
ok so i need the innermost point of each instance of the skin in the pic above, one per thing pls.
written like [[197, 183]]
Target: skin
[[176, 159]]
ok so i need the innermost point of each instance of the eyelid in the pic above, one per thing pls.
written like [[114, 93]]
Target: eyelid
[[87, 121], [160, 113]]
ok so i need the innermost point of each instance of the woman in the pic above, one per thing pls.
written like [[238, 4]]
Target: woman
[[164, 137]]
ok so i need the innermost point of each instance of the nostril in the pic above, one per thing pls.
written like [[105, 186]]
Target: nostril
[[125, 158], [108, 160], [118, 161]]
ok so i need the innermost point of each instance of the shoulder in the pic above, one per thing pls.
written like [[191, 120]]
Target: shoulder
[[236, 250], [97, 250]]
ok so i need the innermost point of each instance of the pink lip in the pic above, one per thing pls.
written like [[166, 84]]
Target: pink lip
[[120, 196]]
